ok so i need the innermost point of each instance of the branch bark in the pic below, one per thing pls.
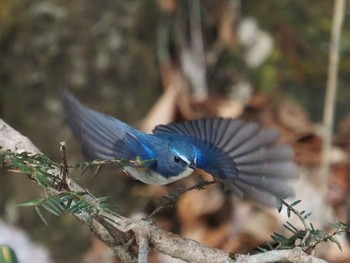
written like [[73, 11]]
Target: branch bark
[[124, 236]]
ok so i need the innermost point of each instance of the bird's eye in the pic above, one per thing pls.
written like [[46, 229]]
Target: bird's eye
[[177, 159]]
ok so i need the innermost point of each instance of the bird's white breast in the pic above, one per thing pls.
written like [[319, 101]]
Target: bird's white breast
[[148, 176]]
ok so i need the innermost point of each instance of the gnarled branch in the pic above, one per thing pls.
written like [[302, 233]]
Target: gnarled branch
[[124, 235]]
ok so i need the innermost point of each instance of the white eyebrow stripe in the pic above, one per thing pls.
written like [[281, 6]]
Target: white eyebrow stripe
[[185, 159]]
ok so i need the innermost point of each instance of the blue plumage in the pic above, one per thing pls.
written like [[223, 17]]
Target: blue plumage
[[244, 156]]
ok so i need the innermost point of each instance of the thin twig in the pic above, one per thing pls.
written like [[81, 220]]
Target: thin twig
[[328, 115], [64, 168], [143, 249], [192, 53], [302, 219], [171, 199], [97, 170], [64, 164], [298, 214], [314, 237]]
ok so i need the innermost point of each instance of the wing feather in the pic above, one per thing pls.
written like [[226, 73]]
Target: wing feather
[[102, 136], [242, 154], [274, 152], [258, 194]]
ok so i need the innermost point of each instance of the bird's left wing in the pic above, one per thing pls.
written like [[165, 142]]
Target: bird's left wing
[[242, 154], [101, 135]]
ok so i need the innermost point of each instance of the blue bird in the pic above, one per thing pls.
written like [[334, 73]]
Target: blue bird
[[247, 158]]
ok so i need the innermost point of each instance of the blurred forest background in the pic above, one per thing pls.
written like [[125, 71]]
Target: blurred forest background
[[153, 61]]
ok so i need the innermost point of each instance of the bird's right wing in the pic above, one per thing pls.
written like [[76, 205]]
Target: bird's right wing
[[242, 154]]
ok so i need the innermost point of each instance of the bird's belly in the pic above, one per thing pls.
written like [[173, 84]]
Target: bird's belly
[[148, 176]]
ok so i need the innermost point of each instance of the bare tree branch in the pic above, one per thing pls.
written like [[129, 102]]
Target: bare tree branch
[[144, 248], [292, 255], [124, 236]]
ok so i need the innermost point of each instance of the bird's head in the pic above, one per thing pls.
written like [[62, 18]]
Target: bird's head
[[178, 161]]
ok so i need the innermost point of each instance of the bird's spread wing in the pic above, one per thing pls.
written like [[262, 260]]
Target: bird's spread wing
[[102, 136], [242, 154]]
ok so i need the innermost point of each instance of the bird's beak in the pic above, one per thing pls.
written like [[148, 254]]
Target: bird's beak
[[192, 166]]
